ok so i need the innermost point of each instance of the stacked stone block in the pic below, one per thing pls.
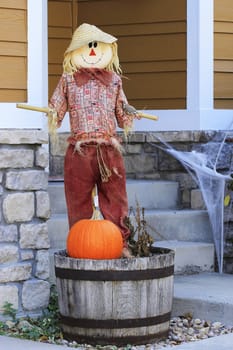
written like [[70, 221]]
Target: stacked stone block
[[25, 208]]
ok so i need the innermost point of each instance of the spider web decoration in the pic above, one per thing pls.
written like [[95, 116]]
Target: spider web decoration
[[212, 186]]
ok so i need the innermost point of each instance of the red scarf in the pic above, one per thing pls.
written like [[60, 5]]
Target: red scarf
[[84, 74]]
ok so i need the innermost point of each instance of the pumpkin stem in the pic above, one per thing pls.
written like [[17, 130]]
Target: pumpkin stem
[[96, 215], [96, 212]]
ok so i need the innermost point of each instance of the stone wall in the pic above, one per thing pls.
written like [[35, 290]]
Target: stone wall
[[144, 159], [25, 208]]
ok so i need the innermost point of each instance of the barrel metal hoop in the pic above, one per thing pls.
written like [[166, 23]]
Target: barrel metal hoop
[[115, 324], [113, 275], [124, 340]]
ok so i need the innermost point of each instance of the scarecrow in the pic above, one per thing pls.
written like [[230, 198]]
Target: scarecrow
[[90, 89]]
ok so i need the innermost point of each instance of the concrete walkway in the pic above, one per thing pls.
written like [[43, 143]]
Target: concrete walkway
[[223, 342], [8, 343]]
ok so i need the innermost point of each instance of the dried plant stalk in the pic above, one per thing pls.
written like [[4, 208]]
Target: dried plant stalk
[[140, 241]]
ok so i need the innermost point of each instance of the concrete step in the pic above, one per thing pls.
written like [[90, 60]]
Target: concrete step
[[150, 194], [207, 296], [58, 229], [182, 225], [190, 257], [153, 194]]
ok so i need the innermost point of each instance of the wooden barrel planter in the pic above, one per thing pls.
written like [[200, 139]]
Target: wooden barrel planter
[[118, 302]]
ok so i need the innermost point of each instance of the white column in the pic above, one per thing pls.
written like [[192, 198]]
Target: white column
[[200, 58], [200, 68], [199, 55], [38, 56], [12, 117]]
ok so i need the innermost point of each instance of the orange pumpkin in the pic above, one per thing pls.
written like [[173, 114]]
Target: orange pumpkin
[[94, 239]]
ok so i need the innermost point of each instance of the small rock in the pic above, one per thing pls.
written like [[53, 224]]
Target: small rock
[[185, 322], [24, 325], [197, 321], [10, 324], [211, 334], [217, 325], [190, 331], [188, 338], [202, 336]]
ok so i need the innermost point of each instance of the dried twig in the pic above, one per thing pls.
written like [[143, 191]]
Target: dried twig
[[142, 245]]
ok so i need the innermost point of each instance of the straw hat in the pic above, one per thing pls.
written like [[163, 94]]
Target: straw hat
[[87, 33]]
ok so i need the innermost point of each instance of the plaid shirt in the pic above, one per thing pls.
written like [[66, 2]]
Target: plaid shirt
[[95, 109]]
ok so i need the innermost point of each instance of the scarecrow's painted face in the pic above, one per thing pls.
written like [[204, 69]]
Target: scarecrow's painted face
[[94, 55]]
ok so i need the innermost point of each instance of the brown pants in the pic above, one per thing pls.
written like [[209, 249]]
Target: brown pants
[[82, 173]]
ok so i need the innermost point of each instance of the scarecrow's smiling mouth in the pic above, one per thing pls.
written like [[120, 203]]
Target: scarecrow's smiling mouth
[[99, 59]]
